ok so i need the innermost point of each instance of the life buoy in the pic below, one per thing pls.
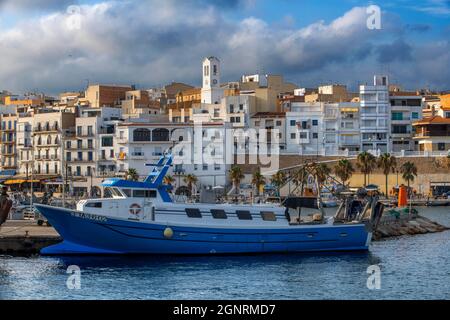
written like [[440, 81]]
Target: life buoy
[[135, 209]]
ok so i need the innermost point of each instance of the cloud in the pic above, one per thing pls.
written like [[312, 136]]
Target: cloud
[[17, 5], [157, 41]]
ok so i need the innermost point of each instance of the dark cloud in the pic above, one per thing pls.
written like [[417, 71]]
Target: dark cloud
[[398, 50]]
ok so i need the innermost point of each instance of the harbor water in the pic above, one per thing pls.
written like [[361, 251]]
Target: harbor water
[[411, 267]]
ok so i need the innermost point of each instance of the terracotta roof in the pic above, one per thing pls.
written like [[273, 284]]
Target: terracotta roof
[[432, 120]]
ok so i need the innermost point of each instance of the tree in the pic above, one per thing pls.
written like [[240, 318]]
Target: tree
[[344, 170], [132, 175], [278, 180], [321, 171], [409, 171], [366, 162], [387, 163], [300, 178], [190, 180], [236, 176], [258, 180]]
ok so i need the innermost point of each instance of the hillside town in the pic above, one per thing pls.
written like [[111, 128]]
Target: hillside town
[[109, 130]]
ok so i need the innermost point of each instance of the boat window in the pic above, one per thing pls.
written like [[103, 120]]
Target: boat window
[[193, 213], [139, 193], [112, 193], [268, 216], [244, 215], [144, 193], [116, 193], [127, 192], [218, 214], [93, 205]]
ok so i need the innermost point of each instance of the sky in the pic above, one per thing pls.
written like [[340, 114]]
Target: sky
[[62, 45]]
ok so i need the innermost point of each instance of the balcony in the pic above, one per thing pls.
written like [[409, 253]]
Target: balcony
[[46, 129]]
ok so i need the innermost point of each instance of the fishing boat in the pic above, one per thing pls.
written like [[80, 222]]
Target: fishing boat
[[140, 217]]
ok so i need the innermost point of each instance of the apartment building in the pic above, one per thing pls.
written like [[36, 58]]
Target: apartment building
[[49, 129], [275, 125], [322, 128], [8, 157], [89, 151], [433, 134], [406, 108], [375, 113]]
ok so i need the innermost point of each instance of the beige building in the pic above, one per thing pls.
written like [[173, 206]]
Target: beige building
[[137, 104], [102, 95], [48, 130], [266, 90]]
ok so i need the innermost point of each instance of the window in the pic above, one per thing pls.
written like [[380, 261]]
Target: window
[[293, 123], [293, 136], [415, 115], [127, 192], [79, 130], [268, 216], [257, 123], [303, 135], [397, 116], [231, 108], [315, 135], [79, 144], [93, 205], [142, 134], [193, 213], [205, 167], [315, 122], [107, 141], [89, 131], [144, 193], [90, 144], [90, 156], [241, 107], [218, 214], [278, 123], [441, 146], [217, 167], [244, 215]]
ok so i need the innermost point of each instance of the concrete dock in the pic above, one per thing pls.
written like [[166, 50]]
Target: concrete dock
[[26, 237]]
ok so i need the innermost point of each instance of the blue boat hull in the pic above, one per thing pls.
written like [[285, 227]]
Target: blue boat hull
[[94, 234]]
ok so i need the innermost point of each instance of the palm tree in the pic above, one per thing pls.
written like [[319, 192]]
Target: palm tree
[[387, 163], [409, 171], [132, 174], [190, 180], [321, 171], [236, 176], [258, 180], [169, 180], [344, 170], [278, 180], [300, 178], [366, 162]]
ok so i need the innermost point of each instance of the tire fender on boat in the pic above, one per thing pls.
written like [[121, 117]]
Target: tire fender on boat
[[168, 233]]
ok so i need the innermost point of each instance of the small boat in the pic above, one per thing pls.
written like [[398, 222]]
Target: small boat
[[139, 217]]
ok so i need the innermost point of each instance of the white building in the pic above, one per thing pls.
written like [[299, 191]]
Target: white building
[[139, 144], [322, 128], [405, 109], [375, 115]]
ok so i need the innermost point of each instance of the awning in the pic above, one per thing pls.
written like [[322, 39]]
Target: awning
[[19, 181], [14, 181]]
